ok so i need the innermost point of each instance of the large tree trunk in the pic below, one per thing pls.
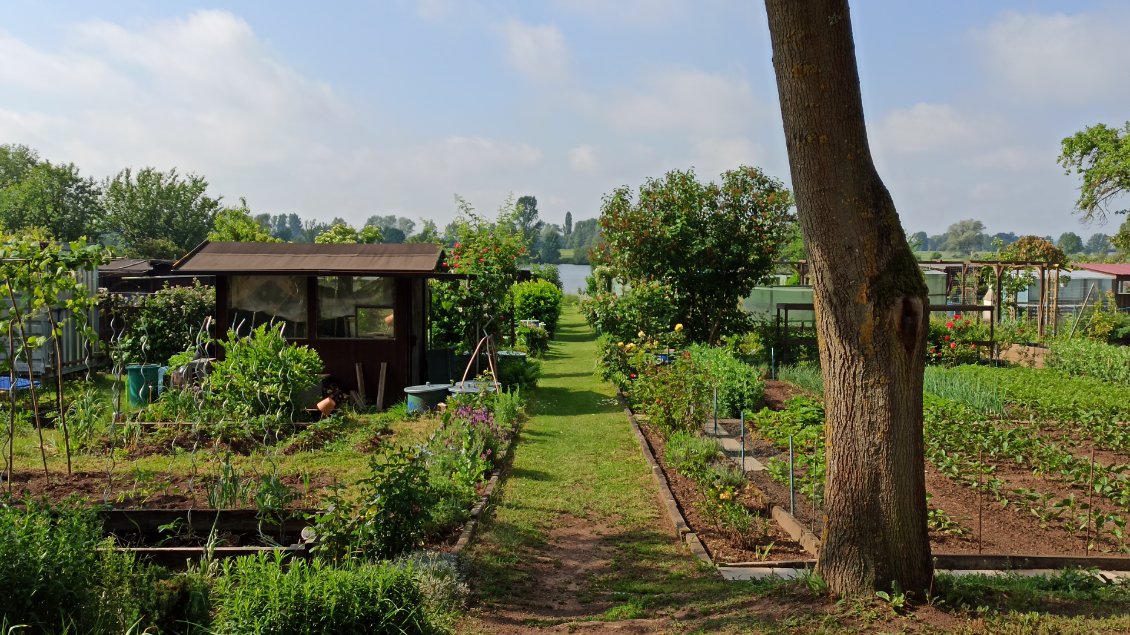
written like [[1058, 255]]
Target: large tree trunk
[[871, 304]]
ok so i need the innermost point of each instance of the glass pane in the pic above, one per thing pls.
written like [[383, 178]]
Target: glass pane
[[355, 307], [255, 300]]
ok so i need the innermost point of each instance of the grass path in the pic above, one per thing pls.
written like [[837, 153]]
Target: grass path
[[575, 542], [576, 538]]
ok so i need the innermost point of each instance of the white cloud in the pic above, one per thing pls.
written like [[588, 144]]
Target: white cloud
[[205, 94], [681, 99], [630, 12], [539, 52], [1059, 58], [583, 158], [925, 128], [715, 155]]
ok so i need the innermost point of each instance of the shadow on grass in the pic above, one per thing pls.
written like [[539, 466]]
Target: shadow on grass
[[532, 475], [554, 401]]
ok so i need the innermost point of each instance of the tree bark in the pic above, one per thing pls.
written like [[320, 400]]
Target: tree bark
[[871, 315]]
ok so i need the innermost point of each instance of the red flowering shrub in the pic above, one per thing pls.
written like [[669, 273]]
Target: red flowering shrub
[[951, 341]]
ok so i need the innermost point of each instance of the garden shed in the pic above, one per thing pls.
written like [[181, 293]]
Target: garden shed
[[1120, 271], [358, 306]]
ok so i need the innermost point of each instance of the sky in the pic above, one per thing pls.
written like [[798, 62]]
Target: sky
[[349, 109]]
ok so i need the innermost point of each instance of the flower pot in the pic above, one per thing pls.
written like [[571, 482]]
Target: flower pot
[[326, 406]]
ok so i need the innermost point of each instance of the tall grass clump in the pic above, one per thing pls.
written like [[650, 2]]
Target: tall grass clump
[[964, 389], [739, 384], [262, 594], [691, 454], [56, 578], [806, 376], [1089, 358]]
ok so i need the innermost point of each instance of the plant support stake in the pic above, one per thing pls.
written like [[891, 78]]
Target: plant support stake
[[1090, 499], [716, 411], [743, 440], [792, 481]]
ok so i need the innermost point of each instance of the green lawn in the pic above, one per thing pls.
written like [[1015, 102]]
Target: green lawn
[[577, 464]]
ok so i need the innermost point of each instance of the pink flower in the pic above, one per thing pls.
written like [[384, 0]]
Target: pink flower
[[949, 325], [953, 344]]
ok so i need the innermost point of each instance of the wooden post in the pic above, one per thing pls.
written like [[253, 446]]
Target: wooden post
[[359, 367], [381, 387]]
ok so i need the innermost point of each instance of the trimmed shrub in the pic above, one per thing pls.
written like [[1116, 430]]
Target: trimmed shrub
[[537, 300], [672, 395], [739, 384], [267, 595]]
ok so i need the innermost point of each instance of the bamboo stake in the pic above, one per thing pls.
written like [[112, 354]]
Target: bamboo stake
[[980, 493], [11, 406], [1090, 500], [59, 386]]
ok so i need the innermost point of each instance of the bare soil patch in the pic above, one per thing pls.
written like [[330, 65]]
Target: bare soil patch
[[125, 490], [558, 598]]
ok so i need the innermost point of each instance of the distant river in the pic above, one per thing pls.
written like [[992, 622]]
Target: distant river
[[573, 277]]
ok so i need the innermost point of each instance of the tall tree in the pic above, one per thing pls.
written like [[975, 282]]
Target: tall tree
[[159, 214], [1070, 243], [1100, 154], [1098, 244], [919, 241], [429, 233], [15, 161], [710, 243], [526, 221], [568, 223], [549, 247], [871, 313], [965, 236], [1121, 240], [54, 197]]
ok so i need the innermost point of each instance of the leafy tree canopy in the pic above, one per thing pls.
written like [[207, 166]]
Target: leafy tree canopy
[[159, 214], [965, 236], [235, 224], [1034, 249], [52, 196], [1098, 244], [341, 232], [1100, 154], [710, 243], [1070, 243]]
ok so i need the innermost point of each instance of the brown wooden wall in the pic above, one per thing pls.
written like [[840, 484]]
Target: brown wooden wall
[[405, 362]]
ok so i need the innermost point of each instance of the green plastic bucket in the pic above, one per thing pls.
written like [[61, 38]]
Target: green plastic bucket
[[143, 383]]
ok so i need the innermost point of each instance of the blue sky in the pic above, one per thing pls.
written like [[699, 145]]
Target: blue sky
[[358, 108]]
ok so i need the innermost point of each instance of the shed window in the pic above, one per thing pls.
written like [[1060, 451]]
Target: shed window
[[356, 307], [255, 300]]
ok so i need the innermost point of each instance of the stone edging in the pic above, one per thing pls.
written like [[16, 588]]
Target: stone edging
[[682, 530]]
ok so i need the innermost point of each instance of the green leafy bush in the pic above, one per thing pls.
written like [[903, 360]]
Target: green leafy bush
[[162, 324], [267, 595], [548, 272], [672, 395], [518, 372], [385, 517], [261, 375], [651, 307], [57, 579], [534, 340], [739, 385], [951, 340], [537, 300], [1089, 358]]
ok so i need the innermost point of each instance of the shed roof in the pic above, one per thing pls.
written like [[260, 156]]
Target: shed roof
[[293, 258], [125, 266], [1114, 269]]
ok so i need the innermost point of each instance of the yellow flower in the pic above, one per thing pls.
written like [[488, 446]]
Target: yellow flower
[[678, 327], [620, 344], [630, 346], [725, 496], [641, 335]]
